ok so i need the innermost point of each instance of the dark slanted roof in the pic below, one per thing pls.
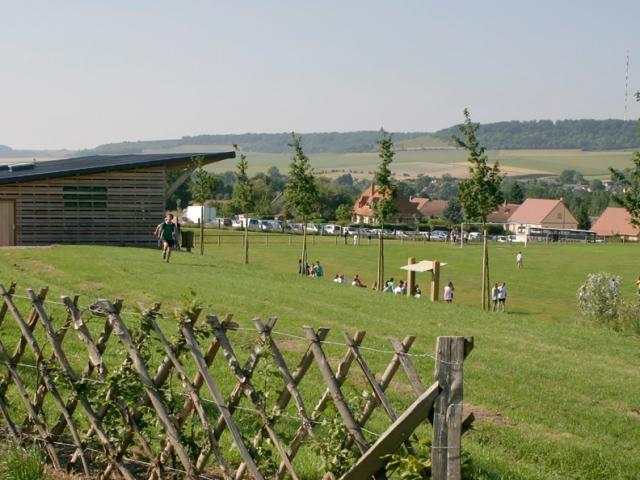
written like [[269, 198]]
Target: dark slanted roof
[[26, 172]]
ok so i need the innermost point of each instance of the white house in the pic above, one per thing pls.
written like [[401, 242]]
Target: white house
[[193, 213]]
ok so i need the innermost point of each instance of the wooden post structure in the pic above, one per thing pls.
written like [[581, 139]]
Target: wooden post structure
[[435, 281], [411, 278], [447, 417]]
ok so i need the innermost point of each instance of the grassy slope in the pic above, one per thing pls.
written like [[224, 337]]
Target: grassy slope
[[561, 398]]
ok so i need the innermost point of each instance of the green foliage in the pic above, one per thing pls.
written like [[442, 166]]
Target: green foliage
[[516, 193], [22, 463], [243, 190], [480, 193], [629, 198], [301, 192], [385, 208], [344, 214], [453, 212], [203, 184], [582, 216], [571, 177], [599, 297]]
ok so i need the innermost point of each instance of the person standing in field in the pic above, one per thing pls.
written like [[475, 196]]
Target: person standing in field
[[519, 259], [495, 292], [167, 233], [638, 285], [448, 292], [502, 296]]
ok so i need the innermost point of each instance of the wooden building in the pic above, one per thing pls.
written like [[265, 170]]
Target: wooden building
[[103, 199], [615, 222]]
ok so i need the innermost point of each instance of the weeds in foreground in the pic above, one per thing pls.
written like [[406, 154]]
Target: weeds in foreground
[[22, 463]]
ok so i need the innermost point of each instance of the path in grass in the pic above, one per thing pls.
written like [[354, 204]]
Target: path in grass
[[559, 398]]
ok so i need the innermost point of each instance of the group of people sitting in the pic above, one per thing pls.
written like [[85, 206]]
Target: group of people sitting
[[310, 270], [356, 282]]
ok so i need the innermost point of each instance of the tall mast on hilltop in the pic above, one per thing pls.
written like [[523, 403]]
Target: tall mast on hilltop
[[626, 87]]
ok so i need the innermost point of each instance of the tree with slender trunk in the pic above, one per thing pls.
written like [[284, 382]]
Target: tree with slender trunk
[[480, 193], [384, 208], [243, 197], [301, 192], [629, 197], [203, 187]]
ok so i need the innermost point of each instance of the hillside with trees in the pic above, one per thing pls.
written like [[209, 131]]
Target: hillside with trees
[[547, 134]]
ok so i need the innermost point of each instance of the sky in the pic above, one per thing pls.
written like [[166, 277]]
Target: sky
[[76, 74]]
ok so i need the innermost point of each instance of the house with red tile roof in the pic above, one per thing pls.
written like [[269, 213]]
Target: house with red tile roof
[[541, 213], [614, 222], [406, 210], [502, 214], [429, 208]]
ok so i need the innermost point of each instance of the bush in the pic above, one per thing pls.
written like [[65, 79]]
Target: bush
[[599, 298], [22, 463]]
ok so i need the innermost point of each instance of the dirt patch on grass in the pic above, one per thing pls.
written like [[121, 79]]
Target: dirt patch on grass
[[36, 266], [484, 415], [292, 346]]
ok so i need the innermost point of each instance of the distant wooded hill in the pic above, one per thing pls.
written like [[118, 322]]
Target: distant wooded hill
[[536, 134]]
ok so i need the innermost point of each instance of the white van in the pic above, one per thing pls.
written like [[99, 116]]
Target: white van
[[333, 229]]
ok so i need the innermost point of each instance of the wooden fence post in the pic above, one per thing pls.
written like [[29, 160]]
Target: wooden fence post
[[435, 281], [447, 418], [411, 278]]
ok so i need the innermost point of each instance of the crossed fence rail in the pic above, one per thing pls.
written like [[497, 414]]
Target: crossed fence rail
[[78, 431]]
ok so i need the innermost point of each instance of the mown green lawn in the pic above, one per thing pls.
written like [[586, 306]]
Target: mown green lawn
[[555, 396]]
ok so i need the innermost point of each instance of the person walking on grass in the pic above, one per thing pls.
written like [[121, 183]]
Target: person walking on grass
[[519, 259], [167, 233], [502, 297], [448, 292], [495, 292]]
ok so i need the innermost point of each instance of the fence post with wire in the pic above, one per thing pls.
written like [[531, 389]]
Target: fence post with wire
[[113, 392]]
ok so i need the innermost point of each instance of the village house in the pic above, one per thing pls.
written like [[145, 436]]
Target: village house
[[502, 214], [429, 208], [406, 209], [614, 222], [539, 213], [101, 199]]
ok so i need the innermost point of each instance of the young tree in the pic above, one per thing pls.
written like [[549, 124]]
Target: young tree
[[243, 197], [480, 193], [301, 192], [384, 208], [630, 182], [203, 187], [344, 214]]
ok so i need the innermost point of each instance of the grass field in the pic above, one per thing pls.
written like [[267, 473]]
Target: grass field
[[436, 162], [433, 161], [555, 397]]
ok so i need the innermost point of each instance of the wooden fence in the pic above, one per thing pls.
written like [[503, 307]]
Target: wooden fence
[[93, 411]]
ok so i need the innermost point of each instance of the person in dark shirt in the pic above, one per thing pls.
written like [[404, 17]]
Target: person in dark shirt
[[167, 233]]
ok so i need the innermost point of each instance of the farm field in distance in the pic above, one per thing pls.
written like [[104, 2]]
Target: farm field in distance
[[554, 397], [413, 161]]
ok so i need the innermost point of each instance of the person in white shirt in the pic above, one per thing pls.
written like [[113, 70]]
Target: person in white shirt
[[494, 296], [448, 293], [519, 259], [417, 292], [502, 296], [399, 290]]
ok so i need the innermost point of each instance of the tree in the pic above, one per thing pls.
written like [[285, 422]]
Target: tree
[[384, 208], [582, 216], [453, 212], [344, 213], [480, 193], [516, 193], [629, 180], [243, 198], [301, 192], [203, 187]]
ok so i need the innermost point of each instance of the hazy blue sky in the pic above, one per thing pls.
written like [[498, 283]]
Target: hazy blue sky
[[79, 73]]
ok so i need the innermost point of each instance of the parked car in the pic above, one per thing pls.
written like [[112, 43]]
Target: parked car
[[332, 229], [439, 235], [312, 228], [475, 236]]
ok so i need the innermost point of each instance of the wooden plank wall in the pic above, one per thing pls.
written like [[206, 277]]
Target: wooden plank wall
[[134, 206]]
